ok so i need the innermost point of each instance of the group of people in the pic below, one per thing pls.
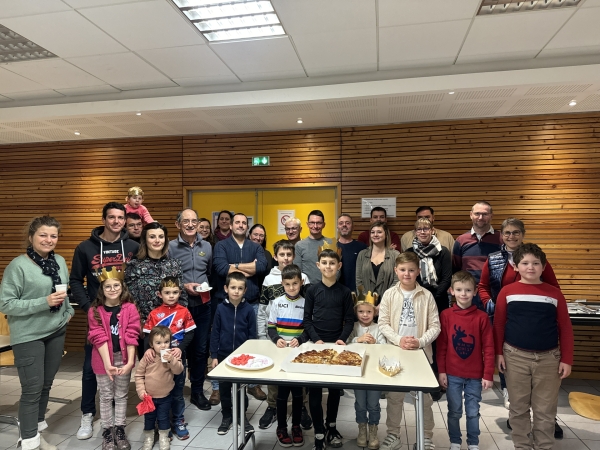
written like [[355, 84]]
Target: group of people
[[171, 303]]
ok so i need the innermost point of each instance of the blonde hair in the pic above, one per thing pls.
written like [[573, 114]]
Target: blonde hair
[[362, 303], [135, 190]]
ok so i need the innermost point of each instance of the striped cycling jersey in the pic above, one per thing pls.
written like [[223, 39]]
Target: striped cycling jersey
[[287, 316]]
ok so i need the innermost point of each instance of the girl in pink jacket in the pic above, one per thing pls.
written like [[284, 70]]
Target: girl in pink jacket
[[134, 199], [114, 330]]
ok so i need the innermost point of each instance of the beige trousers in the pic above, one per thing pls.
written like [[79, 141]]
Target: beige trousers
[[395, 404]]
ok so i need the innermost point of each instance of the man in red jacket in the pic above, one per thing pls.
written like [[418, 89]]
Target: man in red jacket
[[465, 357]]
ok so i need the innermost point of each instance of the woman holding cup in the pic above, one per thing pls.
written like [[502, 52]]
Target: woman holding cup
[[34, 298]]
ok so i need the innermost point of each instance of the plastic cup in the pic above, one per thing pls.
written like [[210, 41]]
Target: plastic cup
[[61, 288], [205, 296], [162, 354]]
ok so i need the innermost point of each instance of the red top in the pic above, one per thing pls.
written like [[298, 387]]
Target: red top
[[465, 347], [175, 317]]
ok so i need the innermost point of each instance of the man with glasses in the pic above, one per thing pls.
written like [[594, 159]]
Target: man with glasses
[[195, 256], [293, 228], [134, 226], [471, 249], [307, 250], [109, 246], [426, 212], [379, 214]]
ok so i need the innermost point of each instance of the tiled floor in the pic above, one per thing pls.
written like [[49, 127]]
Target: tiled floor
[[63, 420]]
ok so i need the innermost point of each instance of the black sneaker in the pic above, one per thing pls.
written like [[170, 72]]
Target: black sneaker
[[247, 427], [268, 418], [200, 401], [305, 420], [558, 432], [508, 424], [319, 444], [225, 425], [333, 437]]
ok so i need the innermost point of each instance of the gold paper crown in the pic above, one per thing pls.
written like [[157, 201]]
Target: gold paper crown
[[327, 246], [368, 298], [115, 272]]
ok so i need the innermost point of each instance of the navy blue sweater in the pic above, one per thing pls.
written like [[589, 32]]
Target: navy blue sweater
[[228, 252], [232, 326]]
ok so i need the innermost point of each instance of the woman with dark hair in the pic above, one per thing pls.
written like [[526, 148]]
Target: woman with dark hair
[[499, 271], [223, 228], [205, 230], [34, 298], [375, 265], [258, 234], [144, 273]]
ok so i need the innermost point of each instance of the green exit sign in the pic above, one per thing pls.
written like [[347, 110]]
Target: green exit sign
[[261, 161]]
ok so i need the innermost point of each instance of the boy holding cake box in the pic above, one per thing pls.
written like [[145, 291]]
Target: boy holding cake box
[[328, 317], [408, 318], [367, 332]]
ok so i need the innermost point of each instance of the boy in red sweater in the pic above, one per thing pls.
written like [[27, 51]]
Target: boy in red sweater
[[467, 365], [534, 348]]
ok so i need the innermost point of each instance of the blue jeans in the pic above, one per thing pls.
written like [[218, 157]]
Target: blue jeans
[[197, 351], [472, 389], [367, 401], [177, 401], [160, 414], [89, 386]]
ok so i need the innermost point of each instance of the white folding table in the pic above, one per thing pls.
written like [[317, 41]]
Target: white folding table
[[416, 375]]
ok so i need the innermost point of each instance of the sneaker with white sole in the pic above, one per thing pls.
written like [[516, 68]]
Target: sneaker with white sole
[[454, 446], [473, 447], [85, 429], [505, 398], [391, 442], [427, 444]]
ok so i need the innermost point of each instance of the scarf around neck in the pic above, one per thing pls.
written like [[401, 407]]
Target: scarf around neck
[[425, 254], [49, 268]]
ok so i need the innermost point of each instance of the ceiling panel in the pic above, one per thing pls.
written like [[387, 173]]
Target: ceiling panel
[[88, 3], [66, 34], [29, 95], [340, 52], [317, 16], [407, 12], [124, 71], [91, 90], [261, 59], [511, 36], [11, 82], [207, 81], [591, 4], [15, 8], [144, 25], [197, 61], [429, 43], [54, 73], [580, 35]]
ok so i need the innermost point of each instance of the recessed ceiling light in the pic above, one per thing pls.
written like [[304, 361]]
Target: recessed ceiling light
[[15, 48], [488, 7], [138, 113], [236, 19], [299, 120], [77, 133], [451, 93], [572, 103]]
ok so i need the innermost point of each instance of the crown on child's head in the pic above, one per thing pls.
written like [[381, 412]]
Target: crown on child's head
[[116, 272], [327, 246], [366, 298]]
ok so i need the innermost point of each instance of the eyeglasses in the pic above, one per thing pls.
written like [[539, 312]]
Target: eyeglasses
[[315, 224], [190, 222], [423, 230], [116, 287], [515, 233], [291, 229]]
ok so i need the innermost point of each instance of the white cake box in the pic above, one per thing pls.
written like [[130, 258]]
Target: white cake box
[[324, 369]]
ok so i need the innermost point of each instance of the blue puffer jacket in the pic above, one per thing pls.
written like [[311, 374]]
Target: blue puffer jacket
[[232, 326]]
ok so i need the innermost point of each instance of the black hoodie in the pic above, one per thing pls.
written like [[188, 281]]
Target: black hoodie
[[91, 256]]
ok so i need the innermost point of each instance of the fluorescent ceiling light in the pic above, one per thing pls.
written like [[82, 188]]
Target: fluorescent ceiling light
[[236, 19], [488, 7], [14, 48]]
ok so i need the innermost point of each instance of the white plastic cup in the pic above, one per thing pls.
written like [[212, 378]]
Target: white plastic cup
[[61, 288], [162, 354]]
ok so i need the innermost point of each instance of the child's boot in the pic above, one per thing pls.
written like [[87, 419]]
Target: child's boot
[[164, 443], [148, 440], [362, 438], [373, 439], [31, 443]]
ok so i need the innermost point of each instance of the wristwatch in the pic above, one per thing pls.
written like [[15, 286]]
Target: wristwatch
[[237, 265]]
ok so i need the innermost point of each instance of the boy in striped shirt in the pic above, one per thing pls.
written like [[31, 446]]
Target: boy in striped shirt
[[286, 329]]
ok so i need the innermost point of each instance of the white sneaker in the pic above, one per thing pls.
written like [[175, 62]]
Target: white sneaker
[[473, 447], [85, 429], [390, 442], [427, 444], [505, 396], [454, 446]]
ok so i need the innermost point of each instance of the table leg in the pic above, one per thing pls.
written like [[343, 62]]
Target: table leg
[[419, 420], [242, 414], [236, 414]]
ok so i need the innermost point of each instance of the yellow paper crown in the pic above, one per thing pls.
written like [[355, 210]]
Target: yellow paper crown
[[327, 246], [366, 298], [115, 273]]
